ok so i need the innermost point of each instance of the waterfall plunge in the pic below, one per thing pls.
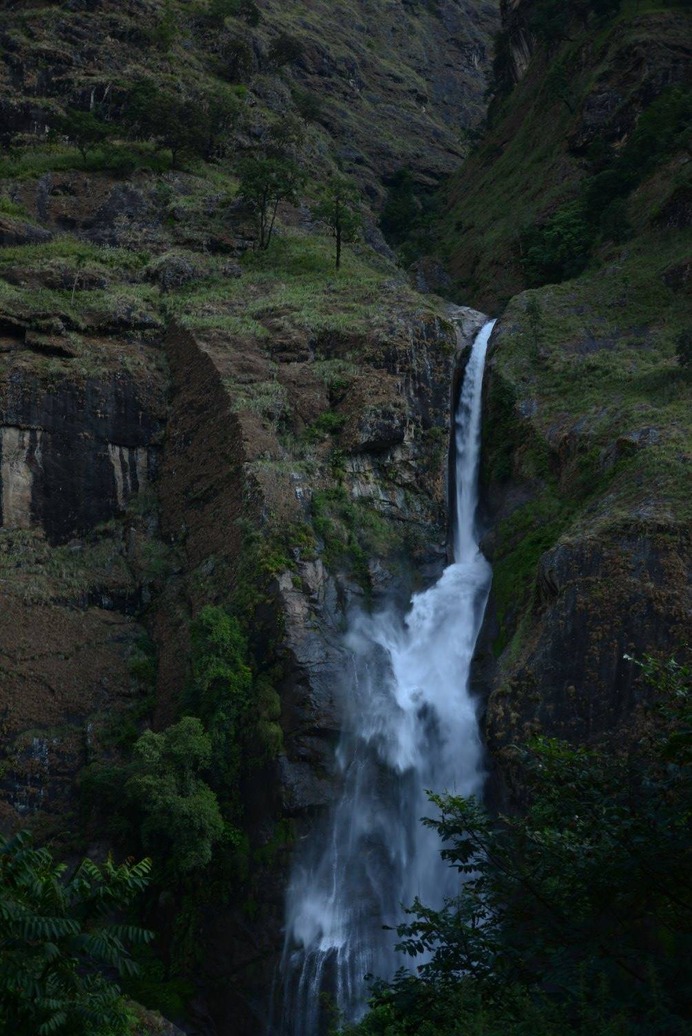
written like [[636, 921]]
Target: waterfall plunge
[[410, 727]]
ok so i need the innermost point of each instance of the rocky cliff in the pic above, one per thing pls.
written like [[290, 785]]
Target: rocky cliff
[[587, 434], [187, 421]]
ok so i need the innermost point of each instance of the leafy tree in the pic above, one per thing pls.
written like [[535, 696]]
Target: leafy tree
[[58, 944], [239, 709], [187, 124], [83, 129], [170, 120], [265, 182], [218, 111], [181, 819], [336, 208], [559, 249], [573, 918]]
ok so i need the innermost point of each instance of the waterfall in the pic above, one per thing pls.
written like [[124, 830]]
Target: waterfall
[[410, 727]]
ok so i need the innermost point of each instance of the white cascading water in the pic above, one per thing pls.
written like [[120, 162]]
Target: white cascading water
[[411, 727]]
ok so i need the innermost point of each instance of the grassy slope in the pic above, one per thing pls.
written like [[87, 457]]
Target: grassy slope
[[526, 168]]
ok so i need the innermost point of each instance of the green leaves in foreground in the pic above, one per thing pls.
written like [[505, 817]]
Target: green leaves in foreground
[[573, 918], [59, 947]]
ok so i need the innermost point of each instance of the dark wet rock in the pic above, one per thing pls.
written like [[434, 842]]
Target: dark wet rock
[[72, 456]]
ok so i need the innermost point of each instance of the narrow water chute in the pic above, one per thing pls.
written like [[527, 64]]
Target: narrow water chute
[[410, 726]]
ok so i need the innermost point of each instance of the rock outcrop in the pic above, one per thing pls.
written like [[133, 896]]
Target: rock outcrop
[[78, 454], [589, 532]]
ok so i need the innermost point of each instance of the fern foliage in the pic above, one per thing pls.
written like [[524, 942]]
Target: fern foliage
[[60, 951]]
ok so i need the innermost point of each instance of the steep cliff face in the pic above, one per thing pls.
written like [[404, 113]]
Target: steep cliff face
[[79, 450], [576, 104], [585, 453], [587, 397], [296, 462], [344, 516], [392, 84], [335, 397], [353, 512], [186, 420]]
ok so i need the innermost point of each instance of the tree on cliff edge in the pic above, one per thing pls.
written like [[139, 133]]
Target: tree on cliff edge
[[336, 209]]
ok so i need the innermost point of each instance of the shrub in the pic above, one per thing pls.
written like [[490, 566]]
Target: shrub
[[683, 348], [574, 916], [59, 945], [83, 129], [181, 820], [285, 50], [559, 249]]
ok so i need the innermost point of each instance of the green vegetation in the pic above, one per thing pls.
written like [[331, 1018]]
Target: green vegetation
[[265, 182], [354, 532], [562, 247], [525, 537], [84, 129], [194, 123], [180, 794], [59, 943], [589, 366], [337, 209], [295, 280], [573, 917], [544, 178], [180, 817]]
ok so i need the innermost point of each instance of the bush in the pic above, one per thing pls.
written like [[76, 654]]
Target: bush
[[574, 917], [83, 129], [559, 249], [181, 820], [285, 50], [59, 945]]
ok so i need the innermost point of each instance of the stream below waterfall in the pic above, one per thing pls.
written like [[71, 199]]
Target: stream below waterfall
[[410, 726]]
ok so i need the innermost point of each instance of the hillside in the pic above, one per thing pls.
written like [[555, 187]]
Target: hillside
[[573, 216], [191, 422], [215, 446]]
